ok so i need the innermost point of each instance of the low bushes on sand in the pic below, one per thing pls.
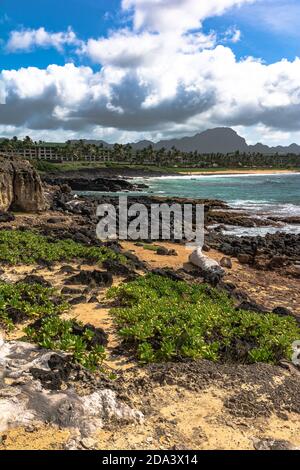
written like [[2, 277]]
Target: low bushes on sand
[[162, 319], [29, 248], [21, 302], [57, 334], [41, 305]]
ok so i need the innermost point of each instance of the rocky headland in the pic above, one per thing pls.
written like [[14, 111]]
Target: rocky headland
[[80, 183], [20, 186]]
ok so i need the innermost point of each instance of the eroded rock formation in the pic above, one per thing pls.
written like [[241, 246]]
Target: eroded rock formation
[[26, 398], [20, 186]]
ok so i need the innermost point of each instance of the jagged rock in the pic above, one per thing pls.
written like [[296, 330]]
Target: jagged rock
[[273, 444], [25, 401], [78, 300], [243, 258], [100, 337], [169, 273], [272, 251], [91, 278], [20, 186], [6, 217], [82, 183], [226, 263], [135, 260], [239, 294], [285, 312], [71, 291], [81, 238], [16, 315], [229, 286], [251, 306], [282, 311], [115, 267], [277, 262], [56, 220], [294, 271], [61, 370], [67, 269], [162, 251], [34, 279], [206, 248], [88, 443]]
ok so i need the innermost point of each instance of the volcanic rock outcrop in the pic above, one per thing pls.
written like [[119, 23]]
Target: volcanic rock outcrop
[[20, 186], [26, 399]]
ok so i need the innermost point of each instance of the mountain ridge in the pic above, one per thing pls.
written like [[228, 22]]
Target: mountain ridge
[[217, 140]]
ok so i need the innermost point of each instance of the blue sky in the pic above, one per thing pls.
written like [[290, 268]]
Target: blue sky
[[89, 18], [130, 70], [94, 18]]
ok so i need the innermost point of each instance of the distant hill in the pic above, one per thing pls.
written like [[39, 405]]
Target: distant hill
[[260, 148], [219, 140]]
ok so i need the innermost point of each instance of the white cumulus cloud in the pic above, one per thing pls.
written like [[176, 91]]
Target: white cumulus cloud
[[27, 39], [155, 80], [179, 15]]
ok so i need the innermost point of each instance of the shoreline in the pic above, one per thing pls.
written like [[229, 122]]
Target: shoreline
[[239, 172]]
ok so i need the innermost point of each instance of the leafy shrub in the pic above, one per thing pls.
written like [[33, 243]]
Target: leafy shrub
[[19, 302], [29, 248], [43, 166], [163, 319], [57, 334]]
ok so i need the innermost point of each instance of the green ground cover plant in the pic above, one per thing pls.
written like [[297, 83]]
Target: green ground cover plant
[[57, 334], [149, 247], [32, 302], [20, 302], [27, 247], [161, 320]]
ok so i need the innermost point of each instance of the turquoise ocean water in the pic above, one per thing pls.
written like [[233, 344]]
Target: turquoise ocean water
[[262, 195], [279, 193]]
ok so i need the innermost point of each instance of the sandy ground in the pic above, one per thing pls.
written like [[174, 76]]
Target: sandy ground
[[175, 419], [238, 172]]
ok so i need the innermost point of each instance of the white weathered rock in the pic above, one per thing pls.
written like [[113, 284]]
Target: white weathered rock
[[1, 341], [197, 258], [24, 401], [273, 444]]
